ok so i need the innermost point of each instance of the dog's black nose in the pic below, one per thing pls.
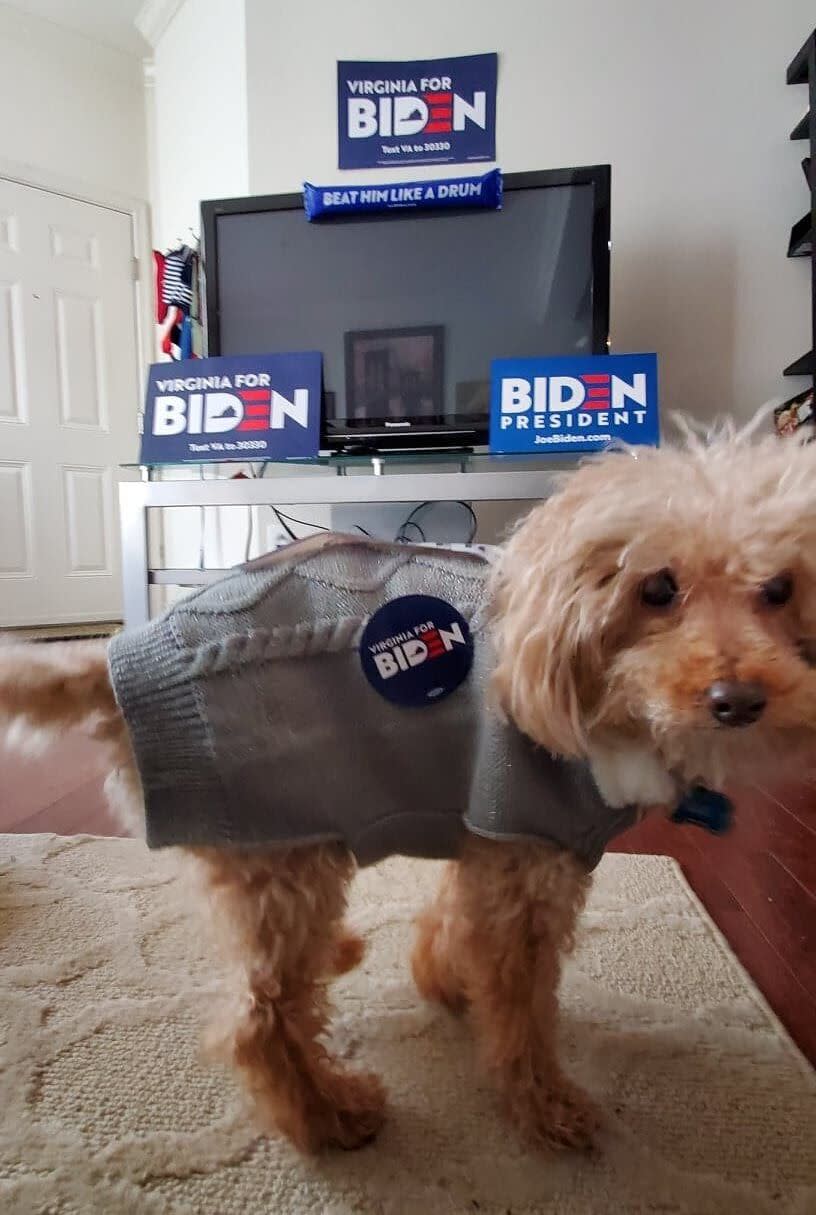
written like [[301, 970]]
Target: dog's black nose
[[733, 703]]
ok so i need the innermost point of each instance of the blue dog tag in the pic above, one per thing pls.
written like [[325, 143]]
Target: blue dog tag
[[416, 650], [704, 808]]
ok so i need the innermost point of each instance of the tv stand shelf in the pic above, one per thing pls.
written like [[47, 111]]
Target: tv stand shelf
[[479, 478]]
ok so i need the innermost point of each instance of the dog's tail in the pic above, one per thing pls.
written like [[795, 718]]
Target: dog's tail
[[47, 687]]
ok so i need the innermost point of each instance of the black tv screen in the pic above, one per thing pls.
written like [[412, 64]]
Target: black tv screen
[[409, 307]]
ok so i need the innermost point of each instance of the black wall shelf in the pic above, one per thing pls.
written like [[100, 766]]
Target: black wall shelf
[[804, 365], [802, 128], [800, 238], [802, 70], [798, 66]]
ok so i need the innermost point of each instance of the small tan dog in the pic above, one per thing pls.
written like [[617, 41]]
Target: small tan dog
[[656, 617]]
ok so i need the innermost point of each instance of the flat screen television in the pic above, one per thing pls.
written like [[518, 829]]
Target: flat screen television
[[410, 307]]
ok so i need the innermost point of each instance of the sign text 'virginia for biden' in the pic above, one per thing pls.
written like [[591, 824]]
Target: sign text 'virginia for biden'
[[573, 404], [430, 111], [253, 407]]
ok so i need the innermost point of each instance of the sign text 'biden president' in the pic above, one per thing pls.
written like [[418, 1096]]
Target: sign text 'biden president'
[[573, 404]]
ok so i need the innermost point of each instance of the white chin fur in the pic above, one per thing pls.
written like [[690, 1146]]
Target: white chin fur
[[628, 776]]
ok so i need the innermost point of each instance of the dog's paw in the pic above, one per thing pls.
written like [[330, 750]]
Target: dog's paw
[[556, 1115], [349, 950], [631, 776], [343, 1110], [356, 1113]]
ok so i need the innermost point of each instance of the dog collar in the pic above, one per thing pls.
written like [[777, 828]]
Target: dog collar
[[705, 808]]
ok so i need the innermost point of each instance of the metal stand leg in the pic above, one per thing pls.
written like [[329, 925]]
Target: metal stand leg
[[133, 524]]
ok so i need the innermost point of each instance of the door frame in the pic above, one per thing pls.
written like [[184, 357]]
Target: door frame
[[138, 212]]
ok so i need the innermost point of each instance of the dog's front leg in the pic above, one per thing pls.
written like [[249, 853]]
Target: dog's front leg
[[519, 903]]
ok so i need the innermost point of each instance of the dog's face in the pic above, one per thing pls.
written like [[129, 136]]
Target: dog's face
[[668, 599]]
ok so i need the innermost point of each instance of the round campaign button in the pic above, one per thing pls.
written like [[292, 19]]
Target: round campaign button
[[416, 650]]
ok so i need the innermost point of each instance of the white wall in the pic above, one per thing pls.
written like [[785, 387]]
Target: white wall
[[688, 103], [70, 106], [199, 119]]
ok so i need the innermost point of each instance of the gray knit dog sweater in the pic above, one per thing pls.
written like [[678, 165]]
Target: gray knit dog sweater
[[254, 723]]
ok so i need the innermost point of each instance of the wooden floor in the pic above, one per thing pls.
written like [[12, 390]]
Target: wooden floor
[[758, 883]]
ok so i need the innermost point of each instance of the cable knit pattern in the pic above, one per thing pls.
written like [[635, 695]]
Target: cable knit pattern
[[239, 650], [244, 649], [104, 1106]]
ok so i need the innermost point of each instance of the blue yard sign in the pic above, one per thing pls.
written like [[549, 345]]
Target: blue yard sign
[[573, 404], [247, 407], [428, 111]]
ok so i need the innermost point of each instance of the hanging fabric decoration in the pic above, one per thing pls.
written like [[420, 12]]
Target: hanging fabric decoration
[[177, 295]]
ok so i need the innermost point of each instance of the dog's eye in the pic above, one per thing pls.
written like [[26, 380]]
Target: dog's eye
[[776, 592], [659, 590]]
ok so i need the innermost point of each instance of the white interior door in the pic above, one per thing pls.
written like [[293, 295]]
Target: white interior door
[[69, 387]]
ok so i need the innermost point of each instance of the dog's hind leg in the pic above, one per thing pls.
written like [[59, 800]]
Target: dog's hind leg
[[519, 904], [47, 687], [282, 913], [436, 960]]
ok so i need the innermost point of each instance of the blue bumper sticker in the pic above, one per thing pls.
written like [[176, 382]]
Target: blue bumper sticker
[[321, 202], [416, 650]]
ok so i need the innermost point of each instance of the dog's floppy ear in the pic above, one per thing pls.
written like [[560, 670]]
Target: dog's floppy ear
[[545, 627]]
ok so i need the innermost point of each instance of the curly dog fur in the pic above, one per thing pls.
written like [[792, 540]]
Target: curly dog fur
[[588, 665]]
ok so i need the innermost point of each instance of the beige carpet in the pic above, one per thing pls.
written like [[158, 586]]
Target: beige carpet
[[105, 1108]]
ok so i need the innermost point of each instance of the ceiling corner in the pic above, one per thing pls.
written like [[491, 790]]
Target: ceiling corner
[[154, 17]]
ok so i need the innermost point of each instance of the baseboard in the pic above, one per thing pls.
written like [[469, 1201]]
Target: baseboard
[[65, 632]]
